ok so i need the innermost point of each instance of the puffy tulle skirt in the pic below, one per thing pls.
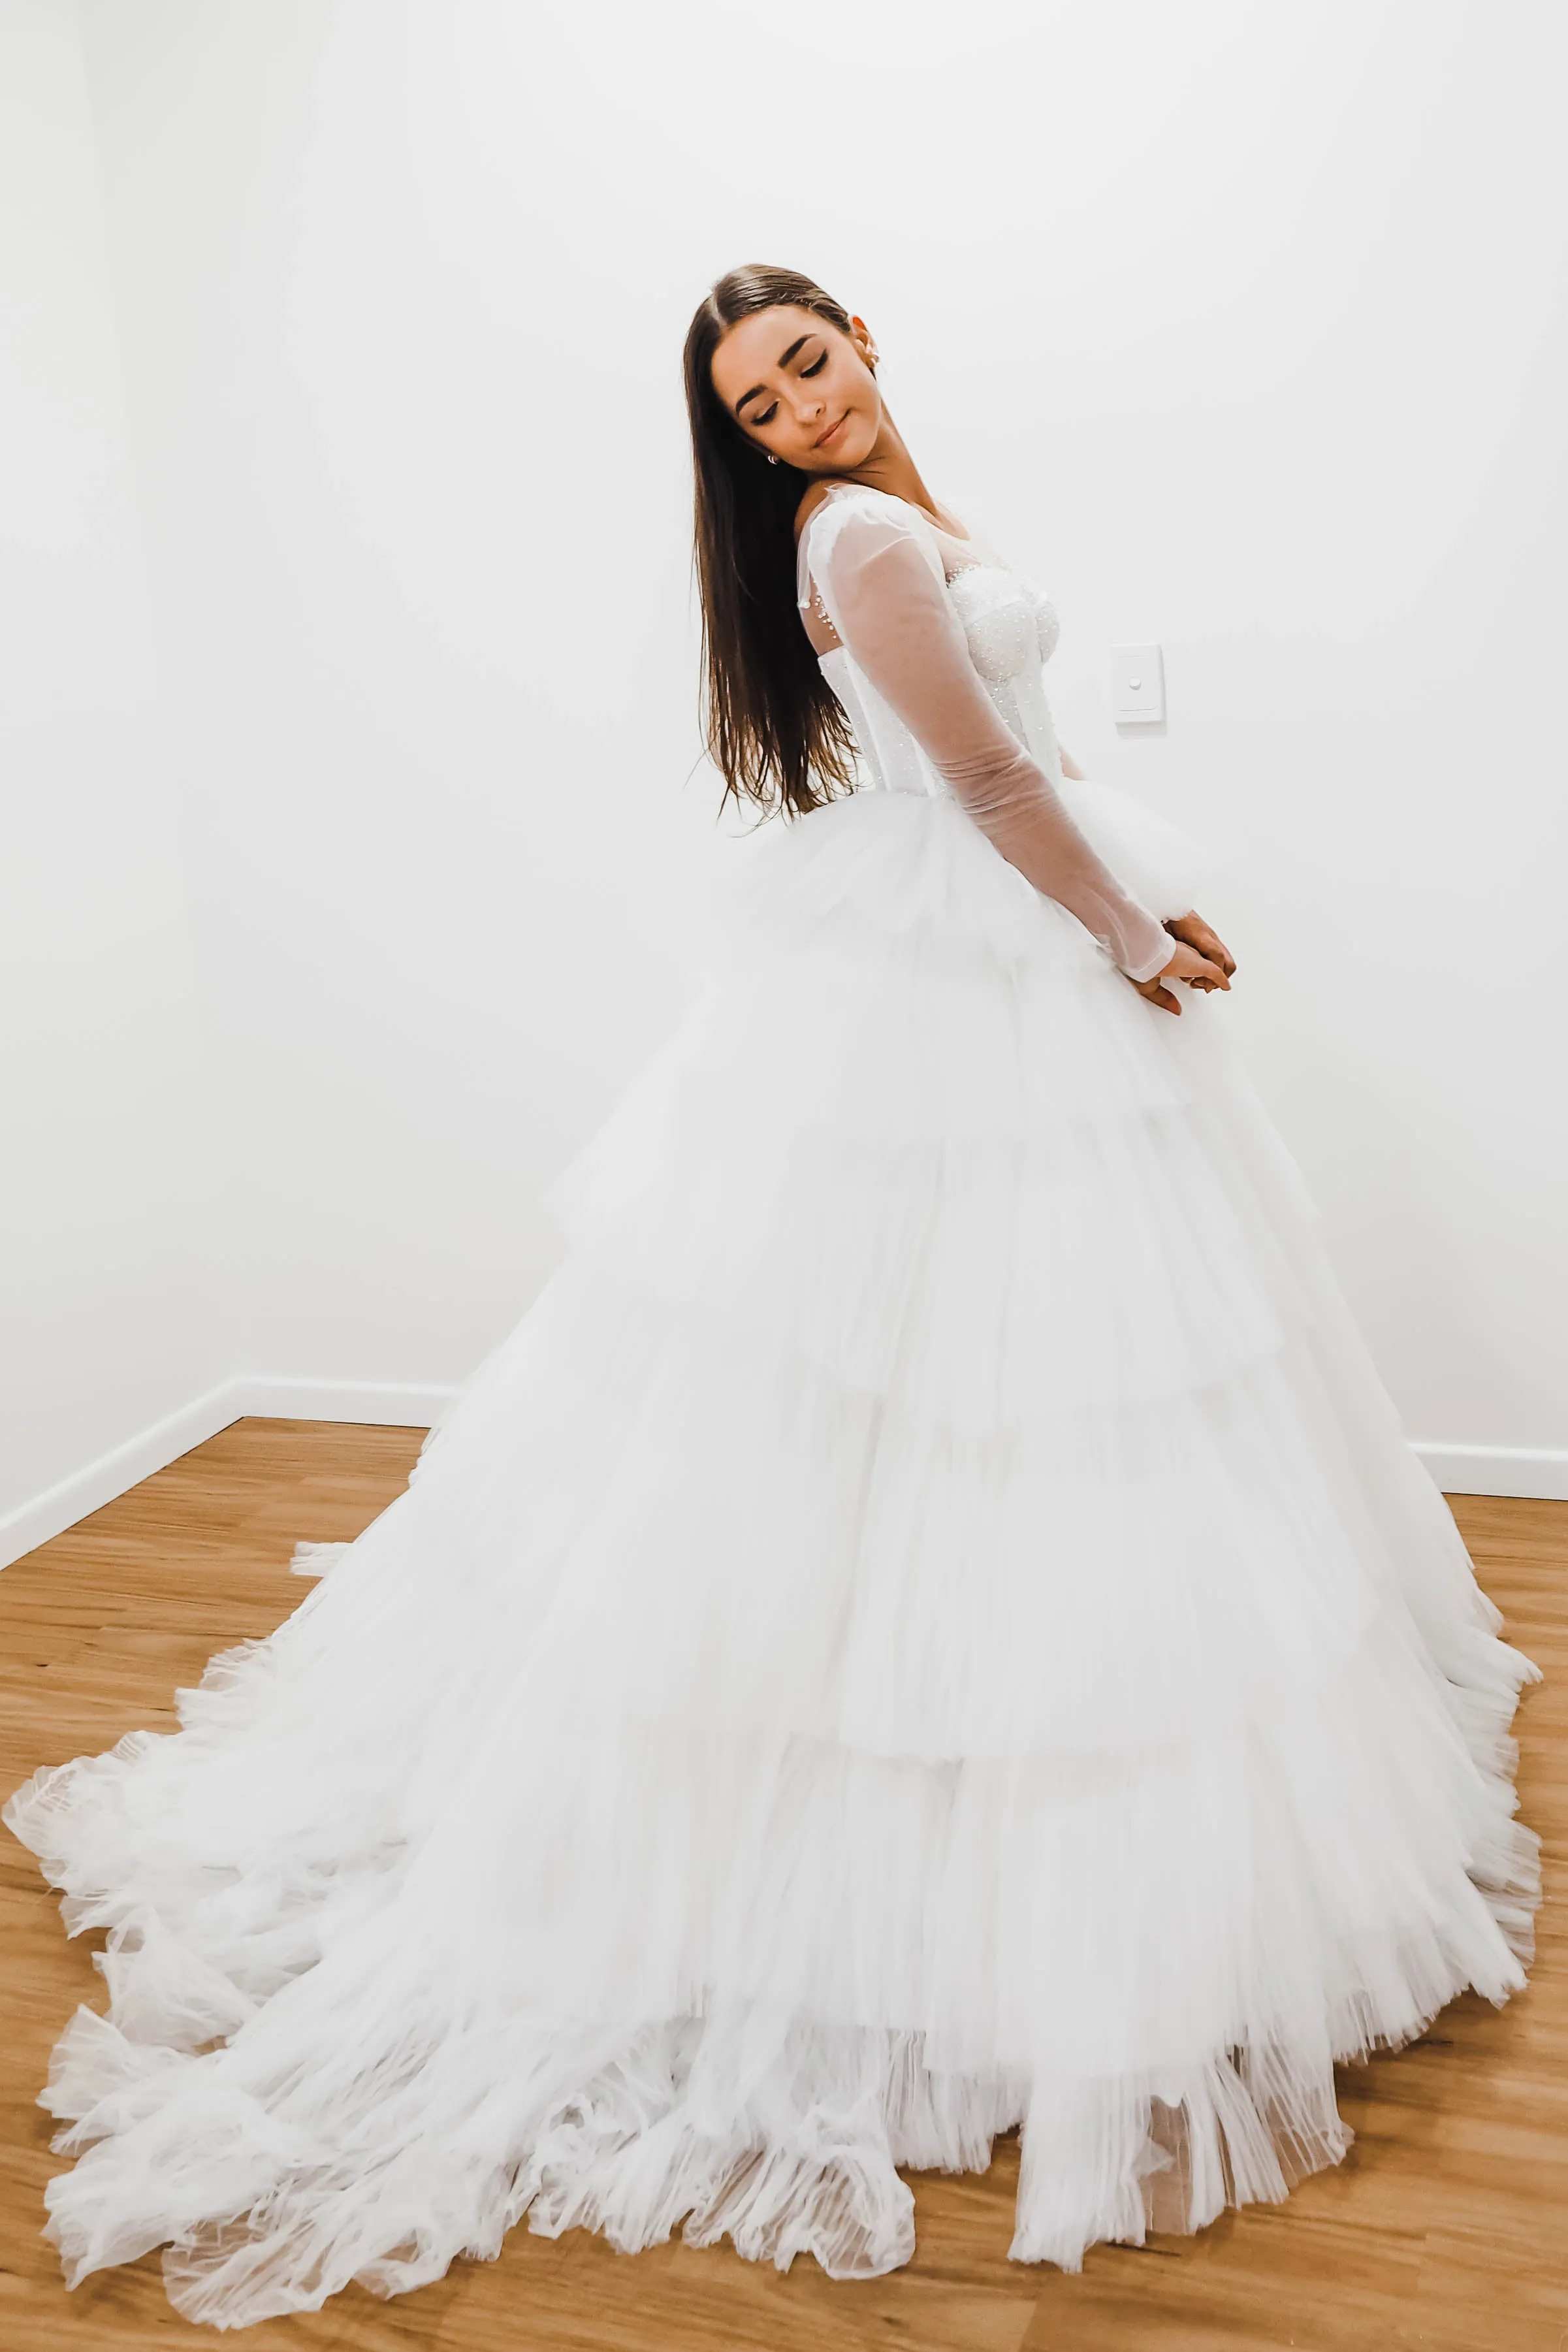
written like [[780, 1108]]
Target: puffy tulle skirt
[[929, 1625]]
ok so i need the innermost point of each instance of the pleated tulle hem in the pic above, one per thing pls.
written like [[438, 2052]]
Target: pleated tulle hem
[[380, 2115], [788, 2137]]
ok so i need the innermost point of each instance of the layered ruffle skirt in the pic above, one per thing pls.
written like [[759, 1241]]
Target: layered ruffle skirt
[[929, 1625]]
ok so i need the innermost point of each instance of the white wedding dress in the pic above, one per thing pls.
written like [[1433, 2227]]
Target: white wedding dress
[[930, 1623]]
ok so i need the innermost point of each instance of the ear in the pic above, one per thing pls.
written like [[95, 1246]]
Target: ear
[[865, 341]]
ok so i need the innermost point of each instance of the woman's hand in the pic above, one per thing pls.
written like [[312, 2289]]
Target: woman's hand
[[1201, 960], [1195, 932]]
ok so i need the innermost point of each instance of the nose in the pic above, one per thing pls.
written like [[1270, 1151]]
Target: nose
[[807, 411]]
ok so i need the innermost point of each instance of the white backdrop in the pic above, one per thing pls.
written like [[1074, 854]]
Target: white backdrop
[[1242, 328], [101, 1177]]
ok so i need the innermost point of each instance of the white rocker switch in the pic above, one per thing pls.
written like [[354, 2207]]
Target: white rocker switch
[[1137, 685]]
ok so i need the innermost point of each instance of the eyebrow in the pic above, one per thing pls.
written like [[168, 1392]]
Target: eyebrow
[[784, 361]]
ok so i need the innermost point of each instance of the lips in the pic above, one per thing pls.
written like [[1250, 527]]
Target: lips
[[823, 438]]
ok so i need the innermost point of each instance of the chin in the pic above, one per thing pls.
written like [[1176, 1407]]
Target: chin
[[852, 448]]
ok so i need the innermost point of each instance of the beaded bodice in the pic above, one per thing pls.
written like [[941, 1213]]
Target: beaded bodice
[[1012, 628]]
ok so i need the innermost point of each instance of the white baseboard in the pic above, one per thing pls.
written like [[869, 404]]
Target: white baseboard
[[405, 1404], [397, 1403], [1530, 1471], [61, 1505]]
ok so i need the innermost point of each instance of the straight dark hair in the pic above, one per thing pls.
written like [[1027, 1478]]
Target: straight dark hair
[[776, 731]]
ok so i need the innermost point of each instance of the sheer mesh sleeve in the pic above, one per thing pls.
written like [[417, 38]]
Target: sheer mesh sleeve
[[881, 583]]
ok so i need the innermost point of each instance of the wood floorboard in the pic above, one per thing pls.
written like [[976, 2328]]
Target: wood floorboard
[[1445, 2228]]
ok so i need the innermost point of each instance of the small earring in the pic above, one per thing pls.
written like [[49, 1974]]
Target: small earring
[[771, 458]]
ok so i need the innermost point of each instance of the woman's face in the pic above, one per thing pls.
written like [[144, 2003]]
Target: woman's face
[[802, 390]]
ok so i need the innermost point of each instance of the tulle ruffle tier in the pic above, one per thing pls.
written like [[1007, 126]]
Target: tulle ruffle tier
[[930, 1623]]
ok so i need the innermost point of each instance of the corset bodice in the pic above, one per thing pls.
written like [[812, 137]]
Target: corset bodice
[[1011, 629]]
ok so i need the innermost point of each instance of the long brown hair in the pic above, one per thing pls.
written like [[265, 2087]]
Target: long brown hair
[[776, 731]]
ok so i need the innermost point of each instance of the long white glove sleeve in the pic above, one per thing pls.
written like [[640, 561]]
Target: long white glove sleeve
[[881, 583]]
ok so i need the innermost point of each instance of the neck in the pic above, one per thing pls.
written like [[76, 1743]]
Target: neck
[[889, 467]]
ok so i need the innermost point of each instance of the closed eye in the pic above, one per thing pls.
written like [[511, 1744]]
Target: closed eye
[[766, 416]]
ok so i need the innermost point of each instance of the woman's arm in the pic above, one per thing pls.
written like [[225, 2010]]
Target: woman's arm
[[1190, 928], [888, 602]]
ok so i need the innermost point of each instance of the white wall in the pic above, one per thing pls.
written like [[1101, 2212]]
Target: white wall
[[1242, 328], [437, 682], [104, 1322]]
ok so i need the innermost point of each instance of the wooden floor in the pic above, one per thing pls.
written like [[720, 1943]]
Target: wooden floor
[[1446, 2227]]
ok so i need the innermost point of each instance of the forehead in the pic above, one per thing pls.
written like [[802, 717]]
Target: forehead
[[750, 353]]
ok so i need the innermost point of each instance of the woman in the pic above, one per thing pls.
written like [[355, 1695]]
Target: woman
[[929, 1625]]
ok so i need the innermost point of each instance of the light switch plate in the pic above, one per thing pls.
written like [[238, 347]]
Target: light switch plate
[[1137, 685]]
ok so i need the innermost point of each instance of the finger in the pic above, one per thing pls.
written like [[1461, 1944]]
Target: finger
[[1211, 976], [1165, 1001], [1207, 942]]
